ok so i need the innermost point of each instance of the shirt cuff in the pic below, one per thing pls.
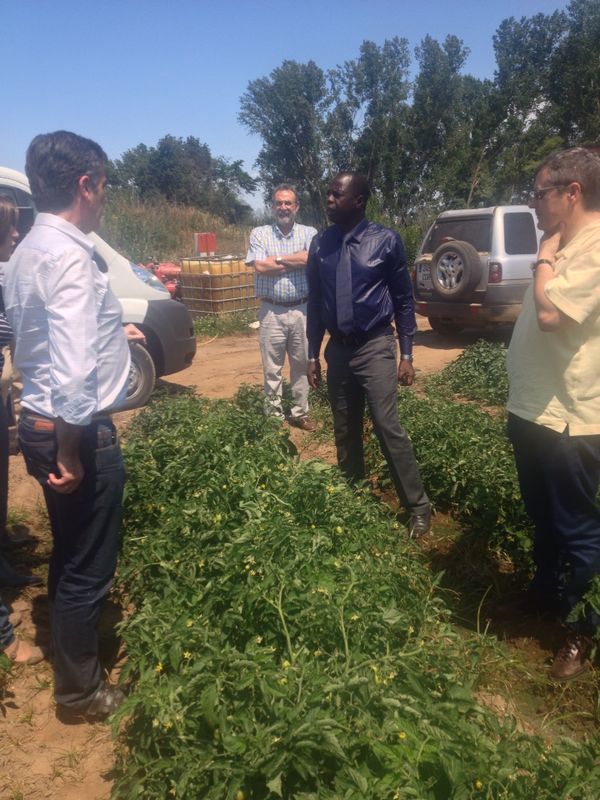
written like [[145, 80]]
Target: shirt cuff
[[406, 344]]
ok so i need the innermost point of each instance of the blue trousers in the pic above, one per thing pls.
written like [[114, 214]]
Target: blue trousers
[[86, 537], [559, 477]]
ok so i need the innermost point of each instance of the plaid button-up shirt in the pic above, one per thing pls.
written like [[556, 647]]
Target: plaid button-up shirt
[[268, 240]]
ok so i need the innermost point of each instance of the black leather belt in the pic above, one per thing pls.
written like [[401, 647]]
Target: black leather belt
[[286, 303], [358, 339]]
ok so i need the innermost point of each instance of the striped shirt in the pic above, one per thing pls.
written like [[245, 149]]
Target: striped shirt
[[268, 240]]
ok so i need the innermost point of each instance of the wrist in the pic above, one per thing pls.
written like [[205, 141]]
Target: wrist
[[406, 357], [540, 261]]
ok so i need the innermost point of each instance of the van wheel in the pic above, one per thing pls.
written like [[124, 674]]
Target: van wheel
[[443, 327], [142, 377], [455, 270]]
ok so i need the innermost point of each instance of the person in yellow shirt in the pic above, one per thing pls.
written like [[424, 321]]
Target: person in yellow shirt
[[554, 397]]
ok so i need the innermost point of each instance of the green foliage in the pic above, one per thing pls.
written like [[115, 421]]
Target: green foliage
[[479, 373], [467, 466], [142, 229], [184, 172], [219, 325], [287, 642]]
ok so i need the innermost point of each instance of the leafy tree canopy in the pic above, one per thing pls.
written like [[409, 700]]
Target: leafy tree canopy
[[184, 171]]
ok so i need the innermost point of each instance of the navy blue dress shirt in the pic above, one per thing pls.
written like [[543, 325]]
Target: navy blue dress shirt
[[381, 286]]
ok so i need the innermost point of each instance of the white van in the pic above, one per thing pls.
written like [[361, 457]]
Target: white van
[[166, 323]]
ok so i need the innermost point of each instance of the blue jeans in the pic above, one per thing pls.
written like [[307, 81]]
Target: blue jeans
[[559, 477], [86, 537]]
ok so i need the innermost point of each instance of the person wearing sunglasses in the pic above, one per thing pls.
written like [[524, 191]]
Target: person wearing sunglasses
[[554, 400]]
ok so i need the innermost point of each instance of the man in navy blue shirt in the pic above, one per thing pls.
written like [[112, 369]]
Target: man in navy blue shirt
[[358, 284]]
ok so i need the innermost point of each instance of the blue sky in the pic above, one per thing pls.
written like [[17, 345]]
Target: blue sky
[[129, 71]]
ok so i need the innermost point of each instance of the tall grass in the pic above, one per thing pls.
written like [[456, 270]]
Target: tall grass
[[164, 231]]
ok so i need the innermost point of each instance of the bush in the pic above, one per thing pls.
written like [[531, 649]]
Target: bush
[[479, 373], [286, 642]]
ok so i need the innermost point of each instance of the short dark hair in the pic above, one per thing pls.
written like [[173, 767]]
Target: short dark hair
[[8, 216], [285, 187], [359, 183], [54, 164], [576, 164]]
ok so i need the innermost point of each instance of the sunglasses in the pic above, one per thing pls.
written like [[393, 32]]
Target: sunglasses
[[539, 194]]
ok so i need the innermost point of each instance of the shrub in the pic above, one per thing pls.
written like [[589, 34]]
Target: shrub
[[286, 642]]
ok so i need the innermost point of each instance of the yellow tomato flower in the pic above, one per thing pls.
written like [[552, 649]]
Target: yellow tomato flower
[[187, 655], [159, 667], [478, 785], [402, 735]]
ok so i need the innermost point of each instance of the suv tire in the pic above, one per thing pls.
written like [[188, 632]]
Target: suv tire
[[455, 270]]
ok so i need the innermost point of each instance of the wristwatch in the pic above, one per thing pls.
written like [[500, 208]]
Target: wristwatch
[[278, 260], [537, 263], [406, 357]]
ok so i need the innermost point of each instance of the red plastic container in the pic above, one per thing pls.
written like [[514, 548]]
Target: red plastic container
[[205, 244]]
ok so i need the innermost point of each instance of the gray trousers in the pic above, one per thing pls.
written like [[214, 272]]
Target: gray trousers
[[369, 371], [283, 331]]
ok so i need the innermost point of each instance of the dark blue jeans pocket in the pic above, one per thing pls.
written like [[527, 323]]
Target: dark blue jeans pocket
[[39, 449]]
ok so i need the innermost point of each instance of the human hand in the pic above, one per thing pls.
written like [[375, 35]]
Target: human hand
[[313, 373], [406, 373], [70, 474], [133, 333], [550, 242]]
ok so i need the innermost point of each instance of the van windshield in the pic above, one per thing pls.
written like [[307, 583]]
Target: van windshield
[[477, 231]]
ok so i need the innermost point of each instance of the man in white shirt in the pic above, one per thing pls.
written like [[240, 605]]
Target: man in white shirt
[[74, 359], [278, 252]]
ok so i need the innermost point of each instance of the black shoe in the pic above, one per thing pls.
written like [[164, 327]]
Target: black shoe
[[419, 524], [105, 700], [10, 576]]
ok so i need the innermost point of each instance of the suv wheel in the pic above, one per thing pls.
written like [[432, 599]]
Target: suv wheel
[[455, 270]]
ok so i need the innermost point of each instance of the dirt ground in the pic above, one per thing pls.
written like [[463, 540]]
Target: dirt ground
[[41, 758]]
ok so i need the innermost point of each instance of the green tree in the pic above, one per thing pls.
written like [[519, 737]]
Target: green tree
[[527, 119], [286, 109], [574, 79], [184, 171]]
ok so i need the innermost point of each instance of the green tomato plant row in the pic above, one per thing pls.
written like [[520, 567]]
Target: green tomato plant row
[[285, 639]]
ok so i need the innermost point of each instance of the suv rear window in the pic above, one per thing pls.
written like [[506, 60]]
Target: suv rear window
[[519, 233], [477, 231]]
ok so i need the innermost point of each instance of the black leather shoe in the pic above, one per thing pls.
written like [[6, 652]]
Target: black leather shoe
[[105, 700], [10, 576], [419, 525], [572, 658]]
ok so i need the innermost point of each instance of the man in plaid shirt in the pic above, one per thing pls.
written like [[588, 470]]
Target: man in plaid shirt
[[278, 253]]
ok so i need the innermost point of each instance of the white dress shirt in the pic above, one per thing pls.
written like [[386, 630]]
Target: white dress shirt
[[70, 346]]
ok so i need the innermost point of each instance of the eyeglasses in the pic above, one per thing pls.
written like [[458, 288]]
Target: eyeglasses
[[539, 194]]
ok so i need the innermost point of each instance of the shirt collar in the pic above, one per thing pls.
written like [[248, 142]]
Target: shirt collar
[[357, 233], [60, 224], [279, 232]]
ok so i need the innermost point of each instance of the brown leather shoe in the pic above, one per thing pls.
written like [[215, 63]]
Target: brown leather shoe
[[304, 423], [572, 658]]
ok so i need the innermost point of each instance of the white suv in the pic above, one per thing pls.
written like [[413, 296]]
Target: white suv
[[166, 323], [474, 266]]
